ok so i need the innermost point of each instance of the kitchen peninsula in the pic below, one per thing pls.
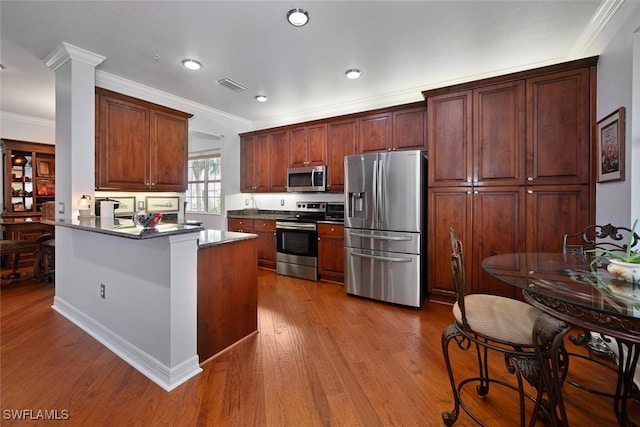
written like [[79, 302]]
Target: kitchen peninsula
[[152, 296]]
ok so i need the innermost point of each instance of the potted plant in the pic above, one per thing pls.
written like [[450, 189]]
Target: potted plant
[[623, 265]]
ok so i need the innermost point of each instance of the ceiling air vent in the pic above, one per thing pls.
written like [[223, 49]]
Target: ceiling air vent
[[230, 84]]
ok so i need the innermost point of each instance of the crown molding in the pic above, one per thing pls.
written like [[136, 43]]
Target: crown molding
[[598, 22], [118, 84], [30, 120], [66, 51]]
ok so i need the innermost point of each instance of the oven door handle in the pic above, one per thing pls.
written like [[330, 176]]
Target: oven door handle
[[381, 258], [296, 227], [391, 238]]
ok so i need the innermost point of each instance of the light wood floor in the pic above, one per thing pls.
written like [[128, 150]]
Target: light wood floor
[[321, 358]]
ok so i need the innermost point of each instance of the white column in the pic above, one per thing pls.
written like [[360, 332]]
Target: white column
[[75, 125]]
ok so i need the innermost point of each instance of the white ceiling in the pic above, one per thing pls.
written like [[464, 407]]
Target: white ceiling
[[402, 48]]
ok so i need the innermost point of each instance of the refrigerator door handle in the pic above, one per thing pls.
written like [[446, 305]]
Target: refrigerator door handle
[[392, 238], [374, 215], [381, 258]]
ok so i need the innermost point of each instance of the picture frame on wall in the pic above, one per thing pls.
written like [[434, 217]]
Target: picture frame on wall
[[610, 140], [162, 204]]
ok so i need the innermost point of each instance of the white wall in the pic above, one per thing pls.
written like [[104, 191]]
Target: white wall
[[618, 86]]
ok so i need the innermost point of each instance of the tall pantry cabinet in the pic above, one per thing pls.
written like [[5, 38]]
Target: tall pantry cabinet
[[510, 168]]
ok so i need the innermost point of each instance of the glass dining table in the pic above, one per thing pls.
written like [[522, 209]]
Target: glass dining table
[[572, 295]]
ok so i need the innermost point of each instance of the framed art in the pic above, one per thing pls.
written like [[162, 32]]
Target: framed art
[[162, 204], [610, 140], [127, 205]]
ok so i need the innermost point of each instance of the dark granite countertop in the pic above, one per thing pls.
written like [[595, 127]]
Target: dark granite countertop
[[210, 237], [125, 228]]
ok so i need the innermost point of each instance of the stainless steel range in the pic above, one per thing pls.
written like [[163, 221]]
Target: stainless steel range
[[297, 241]]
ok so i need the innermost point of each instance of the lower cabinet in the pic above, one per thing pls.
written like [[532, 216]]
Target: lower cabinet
[[495, 220], [266, 242], [331, 252]]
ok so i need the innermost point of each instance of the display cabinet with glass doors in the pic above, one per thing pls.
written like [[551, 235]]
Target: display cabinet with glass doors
[[28, 176]]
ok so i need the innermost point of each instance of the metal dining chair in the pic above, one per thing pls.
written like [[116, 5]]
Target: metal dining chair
[[586, 243], [489, 322]]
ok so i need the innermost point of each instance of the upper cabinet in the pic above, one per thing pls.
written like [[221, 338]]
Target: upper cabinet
[[559, 127], [403, 129], [278, 149], [29, 177], [254, 163], [308, 146], [140, 146], [341, 142]]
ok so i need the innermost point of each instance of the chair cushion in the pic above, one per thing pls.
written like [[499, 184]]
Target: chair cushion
[[500, 318]]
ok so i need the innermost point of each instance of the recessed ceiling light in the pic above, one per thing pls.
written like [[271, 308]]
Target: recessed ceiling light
[[261, 98], [352, 73], [191, 64], [298, 17]]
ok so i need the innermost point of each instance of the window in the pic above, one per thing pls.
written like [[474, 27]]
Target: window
[[204, 190]]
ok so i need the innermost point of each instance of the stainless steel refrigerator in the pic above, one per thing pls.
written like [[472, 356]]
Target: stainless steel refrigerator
[[384, 225]]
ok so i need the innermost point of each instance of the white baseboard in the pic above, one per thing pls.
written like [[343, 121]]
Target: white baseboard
[[166, 377]]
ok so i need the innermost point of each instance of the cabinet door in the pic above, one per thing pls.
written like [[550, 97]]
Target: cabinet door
[[559, 128], [331, 252], [499, 134], [122, 154], [266, 231], [341, 141], [247, 159], [498, 227], [169, 151], [375, 133], [449, 139], [410, 129], [278, 160], [263, 163], [317, 145], [448, 207], [254, 163], [553, 211], [298, 147]]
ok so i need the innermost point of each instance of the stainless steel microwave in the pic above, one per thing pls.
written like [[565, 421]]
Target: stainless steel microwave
[[312, 178]]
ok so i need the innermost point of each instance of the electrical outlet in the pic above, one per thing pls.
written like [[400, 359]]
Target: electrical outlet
[[246, 202], [102, 290], [60, 207], [140, 205], [281, 202]]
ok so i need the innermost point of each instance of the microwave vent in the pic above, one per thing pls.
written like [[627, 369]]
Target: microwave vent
[[230, 84]]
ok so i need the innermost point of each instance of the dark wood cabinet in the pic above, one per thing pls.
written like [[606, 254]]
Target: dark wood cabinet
[[266, 231], [254, 163], [278, 160], [375, 133], [341, 141], [28, 176], [410, 129], [559, 116], [266, 242], [509, 168], [331, 252], [140, 146], [308, 146], [403, 129]]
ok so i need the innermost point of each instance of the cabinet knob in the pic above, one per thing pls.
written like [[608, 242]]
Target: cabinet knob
[[333, 229], [475, 192], [318, 239], [530, 191], [530, 178], [469, 180]]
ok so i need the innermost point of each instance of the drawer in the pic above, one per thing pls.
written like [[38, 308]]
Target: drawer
[[240, 224], [264, 225], [331, 230]]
